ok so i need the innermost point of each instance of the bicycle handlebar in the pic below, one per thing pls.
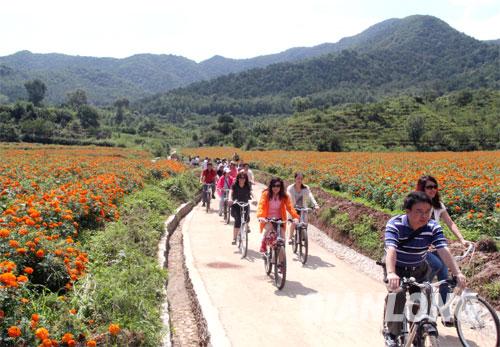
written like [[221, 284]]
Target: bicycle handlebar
[[241, 204], [469, 250], [405, 281], [273, 220], [306, 209]]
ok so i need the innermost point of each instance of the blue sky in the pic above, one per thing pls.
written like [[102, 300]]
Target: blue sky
[[200, 29]]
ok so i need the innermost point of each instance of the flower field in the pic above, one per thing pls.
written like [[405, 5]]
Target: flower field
[[49, 197], [469, 182]]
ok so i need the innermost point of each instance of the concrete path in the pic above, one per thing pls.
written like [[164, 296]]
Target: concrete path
[[327, 302]]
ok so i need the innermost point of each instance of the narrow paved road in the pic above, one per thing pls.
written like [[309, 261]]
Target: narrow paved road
[[326, 302]]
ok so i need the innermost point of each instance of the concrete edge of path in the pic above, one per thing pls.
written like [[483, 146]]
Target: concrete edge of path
[[170, 225], [217, 333]]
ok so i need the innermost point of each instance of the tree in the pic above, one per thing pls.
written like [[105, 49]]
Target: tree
[[36, 91], [238, 138], [89, 118], [121, 105], [301, 104], [415, 128], [77, 98]]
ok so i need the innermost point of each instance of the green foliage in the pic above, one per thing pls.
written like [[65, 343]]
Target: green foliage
[[343, 222], [36, 91], [367, 237], [77, 98], [493, 290]]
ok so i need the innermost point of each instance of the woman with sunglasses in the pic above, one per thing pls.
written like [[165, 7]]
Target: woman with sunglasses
[[429, 186], [274, 203], [241, 191]]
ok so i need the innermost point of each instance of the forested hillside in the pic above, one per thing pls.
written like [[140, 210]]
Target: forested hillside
[[415, 55]]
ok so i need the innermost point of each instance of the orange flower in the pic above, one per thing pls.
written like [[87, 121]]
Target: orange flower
[[28, 270], [67, 337], [47, 343], [42, 333], [22, 278], [40, 253], [114, 329], [13, 243], [24, 300], [14, 331], [4, 233], [35, 317], [72, 311], [91, 343]]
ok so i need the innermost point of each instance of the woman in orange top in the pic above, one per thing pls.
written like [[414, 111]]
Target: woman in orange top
[[274, 203]]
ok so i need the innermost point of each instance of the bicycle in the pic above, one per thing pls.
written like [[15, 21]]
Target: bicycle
[[275, 255], [300, 240], [423, 330], [476, 321], [207, 194], [226, 207], [242, 237]]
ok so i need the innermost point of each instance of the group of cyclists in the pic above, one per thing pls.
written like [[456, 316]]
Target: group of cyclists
[[414, 243]]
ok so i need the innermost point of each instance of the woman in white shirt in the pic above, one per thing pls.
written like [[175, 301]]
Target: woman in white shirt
[[429, 185], [301, 195]]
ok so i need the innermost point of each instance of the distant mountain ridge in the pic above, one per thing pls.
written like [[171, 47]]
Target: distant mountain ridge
[[416, 54], [106, 79]]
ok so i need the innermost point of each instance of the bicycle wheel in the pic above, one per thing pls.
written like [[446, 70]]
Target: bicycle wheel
[[430, 341], [477, 322], [295, 241], [280, 267], [268, 265], [227, 216], [243, 240], [304, 246]]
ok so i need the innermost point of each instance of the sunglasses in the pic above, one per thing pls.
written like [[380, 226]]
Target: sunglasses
[[277, 185], [431, 186]]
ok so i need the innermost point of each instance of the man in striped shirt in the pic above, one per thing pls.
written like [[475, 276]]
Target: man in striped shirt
[[407, 241]]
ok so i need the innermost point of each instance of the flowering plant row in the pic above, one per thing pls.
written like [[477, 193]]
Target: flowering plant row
[[48, 197]]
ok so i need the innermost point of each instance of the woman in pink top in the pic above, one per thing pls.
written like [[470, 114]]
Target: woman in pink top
[[274, 203], [224, 182]]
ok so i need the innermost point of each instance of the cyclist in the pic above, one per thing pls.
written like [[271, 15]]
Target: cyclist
[[242, 192], [225, 182], [208, 176], [246, 169], [274, 203], [429, 186], [407, 241], [233, 171], [300, 195]]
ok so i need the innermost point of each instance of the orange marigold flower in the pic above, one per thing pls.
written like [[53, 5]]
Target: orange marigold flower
[[66, 337], [40, 253], [24, 300], [42, 333], [22, 278], [13, 243], [28, 270], [72, 311], [91, 343], [35, 317], [47, 343], [21, 250], [114, 329], [4, 233], [14, 331]]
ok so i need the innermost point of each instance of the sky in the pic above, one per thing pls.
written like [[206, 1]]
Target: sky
[[200, 29]]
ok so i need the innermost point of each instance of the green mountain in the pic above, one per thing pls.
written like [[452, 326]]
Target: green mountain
[[103, 79], [106, 79], [416, 54]]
